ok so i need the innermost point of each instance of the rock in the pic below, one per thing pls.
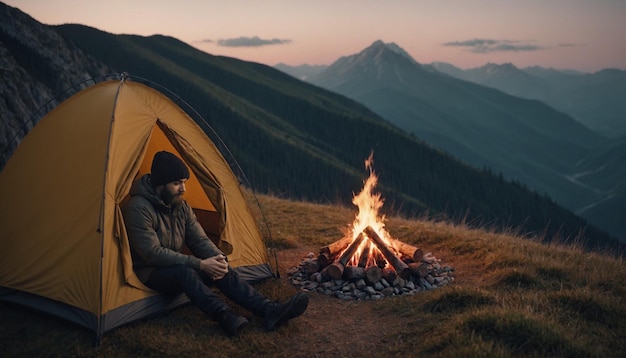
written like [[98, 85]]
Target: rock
[[425, 284], [384, 282], [360, 284], [387, 291], [399, 282], [370, 290], [361, 295], [22, 85], [360, 290], [316, 276]]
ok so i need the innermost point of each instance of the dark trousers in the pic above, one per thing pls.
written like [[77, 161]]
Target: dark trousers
[[173, 280]]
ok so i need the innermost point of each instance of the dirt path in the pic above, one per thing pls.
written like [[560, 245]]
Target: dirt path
[[333, 327]]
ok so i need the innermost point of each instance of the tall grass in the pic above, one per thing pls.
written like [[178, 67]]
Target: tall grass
[[513, 296]]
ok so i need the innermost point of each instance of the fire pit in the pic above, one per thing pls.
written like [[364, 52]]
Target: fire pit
[[368, 263]]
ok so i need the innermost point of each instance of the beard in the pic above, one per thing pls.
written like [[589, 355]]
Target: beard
[[171, 198]]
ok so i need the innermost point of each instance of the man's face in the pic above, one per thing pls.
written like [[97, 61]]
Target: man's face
[[172, 192]]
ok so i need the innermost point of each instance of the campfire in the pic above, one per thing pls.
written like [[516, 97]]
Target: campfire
[[368, 263]]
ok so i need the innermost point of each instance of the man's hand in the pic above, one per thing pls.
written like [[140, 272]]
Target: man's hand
[[216, 267]]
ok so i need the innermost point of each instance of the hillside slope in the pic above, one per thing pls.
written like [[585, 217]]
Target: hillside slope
[[299, 141], [511, 297], [525, 140], [598, 100], [34, 62]]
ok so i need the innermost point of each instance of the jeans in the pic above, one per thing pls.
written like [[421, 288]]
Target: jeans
[[196, 285]]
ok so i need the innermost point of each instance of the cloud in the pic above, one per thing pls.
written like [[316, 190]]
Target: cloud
[[250, 42], [490, 45]]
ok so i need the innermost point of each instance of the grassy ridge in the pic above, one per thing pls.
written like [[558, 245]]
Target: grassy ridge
[[511, 297]]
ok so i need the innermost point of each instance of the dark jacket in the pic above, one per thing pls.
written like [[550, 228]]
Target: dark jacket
[[157, 232]]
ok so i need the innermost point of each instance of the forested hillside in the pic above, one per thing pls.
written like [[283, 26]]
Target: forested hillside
[[296, 140]]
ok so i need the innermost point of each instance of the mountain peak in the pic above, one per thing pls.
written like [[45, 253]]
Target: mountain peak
[[492, 67], [379, 46], [380, 64], [494, 70]]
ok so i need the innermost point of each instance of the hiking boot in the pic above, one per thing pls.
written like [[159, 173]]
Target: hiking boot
[[231, 323], [277, 313]]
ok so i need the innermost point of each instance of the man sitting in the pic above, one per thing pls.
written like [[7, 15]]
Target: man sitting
[[159, 222]]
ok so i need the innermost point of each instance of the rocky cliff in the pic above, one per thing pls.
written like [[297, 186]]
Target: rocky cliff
[[38, 68]]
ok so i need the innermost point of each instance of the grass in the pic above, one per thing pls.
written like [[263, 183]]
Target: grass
[[512, 297]]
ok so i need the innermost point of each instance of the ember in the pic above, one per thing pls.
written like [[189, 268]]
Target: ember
[[368, 263]]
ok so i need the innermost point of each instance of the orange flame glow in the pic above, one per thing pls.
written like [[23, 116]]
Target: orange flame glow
[[369, 203]]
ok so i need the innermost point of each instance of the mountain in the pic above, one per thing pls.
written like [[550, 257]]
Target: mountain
[[507, 78], [303, 72], [605, 170], [449, 69], [524, 139], [598, 100], [299, 141], [33, 71]]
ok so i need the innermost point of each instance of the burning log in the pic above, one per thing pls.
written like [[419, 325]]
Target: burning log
[[419, 269], [353, 273], [389, 274], [310, 266], [354, 268], [401, 268], [335, 270], [364, 257], [373, 274], [324, 259], [379, 259], [410, 251], [329, 252]]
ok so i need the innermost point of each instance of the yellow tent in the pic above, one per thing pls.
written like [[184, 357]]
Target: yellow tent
[[63, 244]]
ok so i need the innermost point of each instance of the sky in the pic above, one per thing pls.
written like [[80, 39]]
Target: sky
[[583, 35]]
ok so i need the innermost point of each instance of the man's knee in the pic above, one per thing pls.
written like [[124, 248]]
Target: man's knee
[[186, 273], [174, 276]]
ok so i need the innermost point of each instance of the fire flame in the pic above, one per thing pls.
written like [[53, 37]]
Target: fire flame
[[369, 203]]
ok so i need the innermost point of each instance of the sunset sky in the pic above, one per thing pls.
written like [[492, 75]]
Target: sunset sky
[[586, 35]]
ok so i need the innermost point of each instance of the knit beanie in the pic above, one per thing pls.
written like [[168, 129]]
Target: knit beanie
[[166, 168]]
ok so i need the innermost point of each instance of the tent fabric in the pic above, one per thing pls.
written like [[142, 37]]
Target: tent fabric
[[62, 235]]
